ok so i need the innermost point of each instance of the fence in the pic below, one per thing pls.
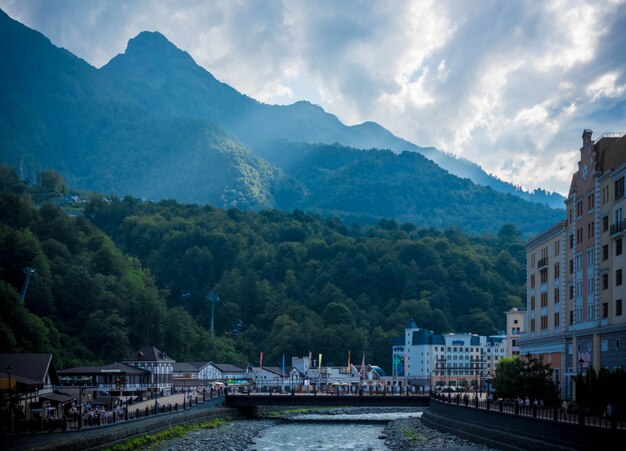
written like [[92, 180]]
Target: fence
[[94, 418], [556, 413]]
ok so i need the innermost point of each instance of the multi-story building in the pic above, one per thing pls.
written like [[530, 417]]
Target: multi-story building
[[423, 358], [158, 364], [515, 327], [574, 287]]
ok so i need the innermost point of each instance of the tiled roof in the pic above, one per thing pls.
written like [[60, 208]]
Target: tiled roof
[[112, 368]]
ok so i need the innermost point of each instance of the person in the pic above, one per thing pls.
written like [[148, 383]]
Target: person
[[565, 405], [609, 410], [527, 401]]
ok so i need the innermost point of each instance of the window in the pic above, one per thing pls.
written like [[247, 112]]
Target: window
[[590, 257], [571, 241], [605, 310], [571, 266], [579, 236], [557, 271], [557, 320], [571, 291], [557, 296], [532, 260], [589, 285], [618, 277], [557, 247], [579, 208], [605, 281], [532, 325], [605, 224], [591, 201], [605, 252], [532, 302], [544, 322], [532, 281], [543, 274], [544, 299], [571, 317], [619, 188], [618, 307], [618, 246], [604, 345]]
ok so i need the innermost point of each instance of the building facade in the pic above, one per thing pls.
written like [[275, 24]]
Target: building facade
[[158, 364], [575, 287], [515, 327], [426, 359]]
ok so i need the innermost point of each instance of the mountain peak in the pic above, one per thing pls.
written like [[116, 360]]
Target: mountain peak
[[154, 45]]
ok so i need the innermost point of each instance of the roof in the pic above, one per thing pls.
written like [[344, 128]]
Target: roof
[[229, 368], [60, 398], [475, 340], [411, 325], [148, 354], [184, 366], [492, 339], [275, 370], [31, 368], [121, 368], [422, 337]]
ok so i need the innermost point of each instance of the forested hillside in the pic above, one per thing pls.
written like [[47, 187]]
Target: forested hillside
[[133, 272]]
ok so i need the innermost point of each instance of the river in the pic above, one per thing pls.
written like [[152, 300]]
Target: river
[[370, 431]]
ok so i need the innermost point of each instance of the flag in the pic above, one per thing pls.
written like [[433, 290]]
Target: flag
[[310, 359], [319, 365], [363, 367], [404, 365], [283, 365], [349, 372], [260, 364]]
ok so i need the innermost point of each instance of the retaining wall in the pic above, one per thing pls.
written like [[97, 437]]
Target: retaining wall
[[513, 432], [103, 437]]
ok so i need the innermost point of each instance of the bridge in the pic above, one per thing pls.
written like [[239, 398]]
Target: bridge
[[249, 404]]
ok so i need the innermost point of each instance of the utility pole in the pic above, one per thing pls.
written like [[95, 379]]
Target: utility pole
[[29, 272], [212, 298]]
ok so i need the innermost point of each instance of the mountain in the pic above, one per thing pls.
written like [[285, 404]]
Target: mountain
[[153, 124], [57, 111], [174, 85], [358, 186]]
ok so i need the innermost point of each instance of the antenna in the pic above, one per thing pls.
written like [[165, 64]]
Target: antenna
[[212, 298]]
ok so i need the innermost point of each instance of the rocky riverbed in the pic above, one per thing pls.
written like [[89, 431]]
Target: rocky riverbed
[[412, 434], [398, 435]]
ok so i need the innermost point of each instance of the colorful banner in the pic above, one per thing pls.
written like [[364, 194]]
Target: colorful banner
[[363, 367], [319, 364], [283, 365], [349, 370]]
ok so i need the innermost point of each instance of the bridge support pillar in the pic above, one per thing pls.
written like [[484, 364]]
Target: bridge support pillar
[[249, 411]]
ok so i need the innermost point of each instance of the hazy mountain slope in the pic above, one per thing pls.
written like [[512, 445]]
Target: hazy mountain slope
[[168, 82], [364, 186]]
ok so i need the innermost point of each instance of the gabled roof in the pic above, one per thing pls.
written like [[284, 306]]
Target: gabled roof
[[32, 368], [121, 368], [148, 354], [276, 370]]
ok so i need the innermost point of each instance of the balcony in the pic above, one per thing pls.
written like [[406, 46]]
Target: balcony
[[618, 227], [542, 263]]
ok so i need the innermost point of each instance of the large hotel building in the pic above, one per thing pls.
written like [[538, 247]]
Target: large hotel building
[[575, 285]]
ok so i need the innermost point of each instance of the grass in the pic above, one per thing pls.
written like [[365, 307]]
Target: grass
[[167, 434]]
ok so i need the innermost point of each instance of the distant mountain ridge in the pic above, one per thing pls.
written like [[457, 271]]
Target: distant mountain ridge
[[152, 123], [151, 59]]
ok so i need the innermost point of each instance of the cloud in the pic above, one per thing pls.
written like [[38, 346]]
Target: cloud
[[510, 85]]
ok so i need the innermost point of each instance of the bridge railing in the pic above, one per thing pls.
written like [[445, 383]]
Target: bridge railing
[[556, 413]]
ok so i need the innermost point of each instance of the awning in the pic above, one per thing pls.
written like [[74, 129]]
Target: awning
[[57, 398]]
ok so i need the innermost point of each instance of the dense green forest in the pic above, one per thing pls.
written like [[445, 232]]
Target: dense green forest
[[131, 272]]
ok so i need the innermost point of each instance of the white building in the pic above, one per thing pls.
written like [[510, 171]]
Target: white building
[[423, 358], [158, 364]]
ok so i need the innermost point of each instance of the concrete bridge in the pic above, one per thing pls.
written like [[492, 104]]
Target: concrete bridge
[[249, 404]]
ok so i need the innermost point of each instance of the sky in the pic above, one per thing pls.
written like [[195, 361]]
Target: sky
[[508, 84]]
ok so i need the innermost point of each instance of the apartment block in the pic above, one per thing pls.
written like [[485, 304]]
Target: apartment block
[[575, 285]]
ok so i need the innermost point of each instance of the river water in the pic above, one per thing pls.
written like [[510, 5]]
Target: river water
[[337, 431]]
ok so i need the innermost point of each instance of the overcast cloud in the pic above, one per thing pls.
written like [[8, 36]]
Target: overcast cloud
[[508, 84]]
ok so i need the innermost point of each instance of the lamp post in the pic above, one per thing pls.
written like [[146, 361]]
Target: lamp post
[[10, 371]]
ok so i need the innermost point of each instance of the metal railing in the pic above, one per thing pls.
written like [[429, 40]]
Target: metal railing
[[618, 227], [556, 413]]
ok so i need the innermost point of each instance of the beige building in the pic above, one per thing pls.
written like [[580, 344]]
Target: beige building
[[515, 327], [575, 287]]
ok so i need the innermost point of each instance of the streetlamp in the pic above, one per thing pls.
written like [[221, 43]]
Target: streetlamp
[[10, 371], [580, 362]]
